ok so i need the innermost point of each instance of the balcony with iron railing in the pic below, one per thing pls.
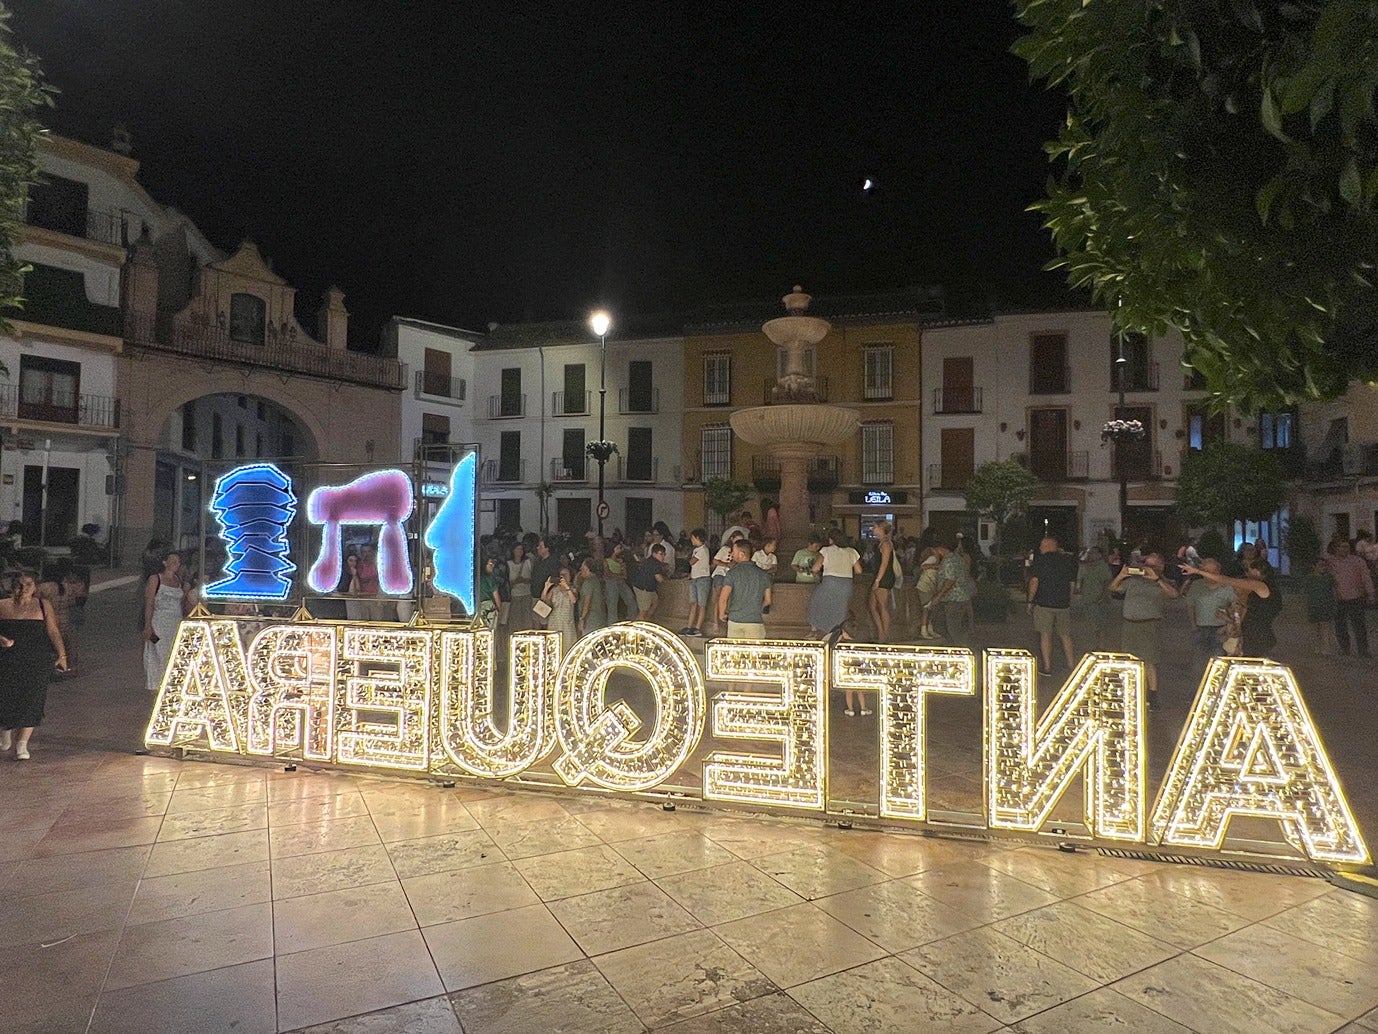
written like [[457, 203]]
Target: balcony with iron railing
[[106, 227], [957, 400], [506, 407], [563, 403], [498, 472], [569, 469], [1053, 466], [948, 478], [441, 386], [1131, 463], [824, 473], [645, 472], [814, 390], [638, 401], [281, 350], [1143, 379], [93, 412]]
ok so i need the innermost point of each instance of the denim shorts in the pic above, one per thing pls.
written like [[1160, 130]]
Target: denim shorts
[[698, 591]]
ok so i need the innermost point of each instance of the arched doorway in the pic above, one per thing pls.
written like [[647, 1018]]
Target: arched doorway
[[205, 436]]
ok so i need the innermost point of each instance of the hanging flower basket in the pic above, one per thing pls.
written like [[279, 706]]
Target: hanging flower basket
[[601, 452], [1122, 431]]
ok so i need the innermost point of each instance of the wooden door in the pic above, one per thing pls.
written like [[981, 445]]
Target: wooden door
[[1048, 444], [958, 456], [958, 382]]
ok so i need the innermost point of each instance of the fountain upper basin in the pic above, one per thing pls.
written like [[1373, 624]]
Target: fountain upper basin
[[795, 425]]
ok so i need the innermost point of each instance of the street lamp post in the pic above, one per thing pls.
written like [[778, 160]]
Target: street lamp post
[[599, 322], [1121, 364]]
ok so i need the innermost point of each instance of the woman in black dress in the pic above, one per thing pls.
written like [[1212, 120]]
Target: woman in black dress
[[30, 640]]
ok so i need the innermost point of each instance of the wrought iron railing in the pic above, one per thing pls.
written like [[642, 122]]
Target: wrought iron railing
[[638, 402], [948, 478], [569, 470], [644, 473], [496, 472], [957, 400], [93, 411], [441, 386], [506, 407], [564, 403]]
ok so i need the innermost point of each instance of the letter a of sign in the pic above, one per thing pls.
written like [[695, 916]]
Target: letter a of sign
[[194, 702], [1250, 748], [1094, 725]]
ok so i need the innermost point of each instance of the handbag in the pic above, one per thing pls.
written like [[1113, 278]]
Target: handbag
[[541, 609]]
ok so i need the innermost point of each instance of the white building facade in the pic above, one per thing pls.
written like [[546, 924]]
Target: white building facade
[[1039, 387], [437, 403], [536, 404]]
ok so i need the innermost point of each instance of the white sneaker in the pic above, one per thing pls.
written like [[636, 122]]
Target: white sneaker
[[6, 738], [849, 713], [21, 751], [865, 711]]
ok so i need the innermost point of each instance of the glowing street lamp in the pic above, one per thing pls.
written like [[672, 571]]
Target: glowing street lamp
[[599, 322]]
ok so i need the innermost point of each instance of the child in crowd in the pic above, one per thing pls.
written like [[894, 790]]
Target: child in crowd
[[765, 557], [700, 579]]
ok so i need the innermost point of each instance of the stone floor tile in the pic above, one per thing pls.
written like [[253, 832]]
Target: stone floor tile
[[18, 844], [49, 1015], [998, 974], [900, 854], [542, 837], [207, 774], [1326, 978], [749, 838], [235, 794], [296, 786], [207, 852], [233, 1000], [74, 967], [1340, 920], [204, 890], [1101, 1010], [140, 805], [1086, 941], [817, 871], [887, 995], [171, 948], [1148, 909], [428, 819], [1249, 894], [65, 838], [613, 824], [571, 999], [980, 891], [621, 917], [444, 897], [1060, 874], [88, 869], [771, 1014], [514, 809], [44, 918], [431, 1016], [321, 835], [797, 944], [314, 809], [895, 915], [565, 874], [498, 946], [343, 980], [331, 870], [666, 854], [1369, 1020], [213, 821], [681, 976], [458, 850], [727, 892], [1206, 997], [336, 916]]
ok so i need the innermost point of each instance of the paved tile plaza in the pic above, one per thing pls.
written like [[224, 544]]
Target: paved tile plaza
[[151, 894]]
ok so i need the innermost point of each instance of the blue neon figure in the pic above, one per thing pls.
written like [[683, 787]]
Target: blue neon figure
[[254, 505], [451, 536]]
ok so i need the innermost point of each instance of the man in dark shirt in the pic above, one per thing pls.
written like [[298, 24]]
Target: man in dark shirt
[[1050, 601], [646, 577], [544, 567], [745, 597]]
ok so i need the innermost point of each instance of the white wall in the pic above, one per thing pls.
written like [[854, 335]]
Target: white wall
[[412, 341]]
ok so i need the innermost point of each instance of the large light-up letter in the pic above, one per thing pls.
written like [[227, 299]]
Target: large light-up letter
[[292, 711], [468, 732], [903, 676], [1250, 748], [384, 714], [597, 739], [203, 690], [382, 498], [1094, 726], [450, 535], [254, 505], [796, 718]]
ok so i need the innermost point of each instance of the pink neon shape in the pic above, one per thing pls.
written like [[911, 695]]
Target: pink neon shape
[[384, 498]]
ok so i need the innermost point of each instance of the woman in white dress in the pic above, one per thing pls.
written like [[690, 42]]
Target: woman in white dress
[[562, 599], [164, 598]]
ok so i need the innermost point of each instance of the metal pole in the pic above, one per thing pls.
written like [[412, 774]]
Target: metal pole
[[602, 420], [1120, 364]]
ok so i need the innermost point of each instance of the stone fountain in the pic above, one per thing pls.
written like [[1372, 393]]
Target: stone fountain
[[796, 427]]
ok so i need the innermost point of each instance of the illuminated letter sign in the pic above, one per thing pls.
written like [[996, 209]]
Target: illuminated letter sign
[[903, 676], [393, 683], [795, 718], [875, 498], [382, 498], [597, 739], [254, 505], [292, 710], [1250, 748], [204, 690], [468, 729], [1094, 726], [451, 535]]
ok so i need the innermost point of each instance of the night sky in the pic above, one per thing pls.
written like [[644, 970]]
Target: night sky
[[466, 162]]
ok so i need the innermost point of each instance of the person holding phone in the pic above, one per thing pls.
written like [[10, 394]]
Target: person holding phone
[[164, 596], [1145, 591]]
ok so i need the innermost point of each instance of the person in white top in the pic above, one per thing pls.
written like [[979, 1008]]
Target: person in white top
[[722, 563], [829, 602], [700, 577], [765, 557]]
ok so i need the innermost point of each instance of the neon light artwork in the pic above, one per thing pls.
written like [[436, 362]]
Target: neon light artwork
[[451, 536], [254, 505], [382, 498]]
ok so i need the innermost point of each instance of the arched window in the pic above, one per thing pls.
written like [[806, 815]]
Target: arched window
[[247, 315]]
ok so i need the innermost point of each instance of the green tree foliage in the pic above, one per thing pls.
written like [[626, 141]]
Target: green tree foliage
[[22, 95], [999, 490], [724, 496], [1226, 482], [1218, 173], [1302, 542]]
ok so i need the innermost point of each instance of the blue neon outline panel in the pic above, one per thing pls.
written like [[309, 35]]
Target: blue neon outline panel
[[255, 505], [450, 536]]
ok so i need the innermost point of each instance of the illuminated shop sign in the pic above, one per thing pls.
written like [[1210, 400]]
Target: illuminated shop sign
[[422, 700], [876, 499]]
